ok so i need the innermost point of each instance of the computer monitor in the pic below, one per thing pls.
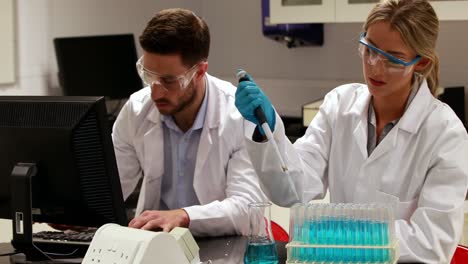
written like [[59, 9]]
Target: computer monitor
[[57, 163], [455, 98], [98, 65]]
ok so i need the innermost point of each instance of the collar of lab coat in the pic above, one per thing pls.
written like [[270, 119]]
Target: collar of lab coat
[[212, 117], [417, 110], [414, 114]]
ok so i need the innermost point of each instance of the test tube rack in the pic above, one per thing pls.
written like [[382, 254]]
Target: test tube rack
[[342, 233]]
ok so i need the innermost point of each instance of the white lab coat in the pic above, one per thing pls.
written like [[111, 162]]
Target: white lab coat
[[421, 166], [224, 179]]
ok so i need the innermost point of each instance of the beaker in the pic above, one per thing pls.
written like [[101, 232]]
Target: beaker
[[261, 246]]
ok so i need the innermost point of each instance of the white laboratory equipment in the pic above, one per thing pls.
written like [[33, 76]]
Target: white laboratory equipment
[[113, 243]]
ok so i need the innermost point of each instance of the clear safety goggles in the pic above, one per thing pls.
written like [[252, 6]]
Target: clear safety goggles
[[179, 82], [390, 64]]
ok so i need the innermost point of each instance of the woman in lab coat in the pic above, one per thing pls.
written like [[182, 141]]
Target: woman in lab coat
[[390, 141]]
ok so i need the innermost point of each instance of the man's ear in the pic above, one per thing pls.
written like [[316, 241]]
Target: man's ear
[[422, 64], [202, 69]]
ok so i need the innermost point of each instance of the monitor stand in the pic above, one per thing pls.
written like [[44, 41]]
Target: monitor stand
[[21, 207], [21, 212]]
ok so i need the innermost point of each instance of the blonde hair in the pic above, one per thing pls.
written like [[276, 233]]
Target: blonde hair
[[418, 25]]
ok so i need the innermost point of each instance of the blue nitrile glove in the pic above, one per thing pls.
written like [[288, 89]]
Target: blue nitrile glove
[[248, 97]]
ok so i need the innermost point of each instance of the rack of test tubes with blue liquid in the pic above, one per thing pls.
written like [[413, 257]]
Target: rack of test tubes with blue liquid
[[342, 233]]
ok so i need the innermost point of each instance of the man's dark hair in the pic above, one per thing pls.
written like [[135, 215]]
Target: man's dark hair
[[177, 31]]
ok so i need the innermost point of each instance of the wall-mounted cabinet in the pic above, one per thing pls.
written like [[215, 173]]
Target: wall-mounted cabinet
[[330, 11], [451, 10], [353, 10], [302, 11]]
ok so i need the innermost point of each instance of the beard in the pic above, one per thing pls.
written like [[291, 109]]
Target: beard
[[183, 102]]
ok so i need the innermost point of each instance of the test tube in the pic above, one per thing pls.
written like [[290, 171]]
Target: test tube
[[328, 232], [383, 233], [320, 227], [373, 225], [309, 232], [340, 232], [368, 231], [388, 234], [359, 229], [391, 223], [297, 220], [348, 224]]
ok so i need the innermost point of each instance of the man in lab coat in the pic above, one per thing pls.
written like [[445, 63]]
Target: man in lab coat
[[184, 136]]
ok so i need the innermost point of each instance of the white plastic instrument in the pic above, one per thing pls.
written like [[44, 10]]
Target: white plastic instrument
[[116, 244]]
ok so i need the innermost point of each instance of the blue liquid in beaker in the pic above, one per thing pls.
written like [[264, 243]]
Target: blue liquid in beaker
[[261, 253]]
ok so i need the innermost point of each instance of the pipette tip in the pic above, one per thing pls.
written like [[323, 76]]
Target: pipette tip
[[240, 73]]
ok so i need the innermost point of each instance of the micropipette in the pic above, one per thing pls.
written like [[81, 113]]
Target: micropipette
[[260, 115]]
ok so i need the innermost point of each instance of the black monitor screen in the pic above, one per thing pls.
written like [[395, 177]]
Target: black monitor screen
[[455, 98], [98, 65], [68, 139]]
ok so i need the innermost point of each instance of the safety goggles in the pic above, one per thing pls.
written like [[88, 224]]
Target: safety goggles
[[391, 64], [172, 83]]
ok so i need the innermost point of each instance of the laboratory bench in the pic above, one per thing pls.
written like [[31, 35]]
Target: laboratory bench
[[226, 250]]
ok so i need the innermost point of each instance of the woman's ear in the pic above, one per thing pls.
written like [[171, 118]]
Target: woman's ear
[[422, 64]]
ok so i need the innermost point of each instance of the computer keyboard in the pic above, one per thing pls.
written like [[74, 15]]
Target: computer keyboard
[[67, 243], [65, 237]]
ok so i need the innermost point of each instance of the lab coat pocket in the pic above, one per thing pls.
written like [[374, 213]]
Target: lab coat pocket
[[402, 209]]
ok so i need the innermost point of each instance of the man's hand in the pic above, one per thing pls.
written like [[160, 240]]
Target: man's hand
[[157, 220]]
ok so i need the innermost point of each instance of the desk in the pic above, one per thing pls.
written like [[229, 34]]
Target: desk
[[230, 250], [226, 250]]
